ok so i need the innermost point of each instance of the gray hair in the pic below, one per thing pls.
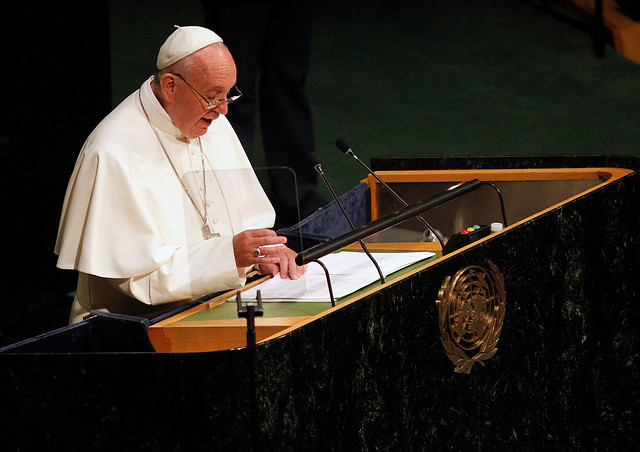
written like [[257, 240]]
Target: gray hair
[[181, 67]]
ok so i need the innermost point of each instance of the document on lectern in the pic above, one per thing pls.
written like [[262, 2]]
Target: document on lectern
[[349, 271]]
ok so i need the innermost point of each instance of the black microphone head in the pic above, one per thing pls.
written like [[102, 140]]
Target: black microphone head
[[342, 144], [313, 159]]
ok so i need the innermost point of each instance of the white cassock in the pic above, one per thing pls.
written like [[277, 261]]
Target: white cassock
[[130, 228]]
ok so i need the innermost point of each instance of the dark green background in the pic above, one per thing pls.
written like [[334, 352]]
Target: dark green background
[[394, 78]]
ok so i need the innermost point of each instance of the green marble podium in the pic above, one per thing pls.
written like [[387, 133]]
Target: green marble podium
[[373, 375]]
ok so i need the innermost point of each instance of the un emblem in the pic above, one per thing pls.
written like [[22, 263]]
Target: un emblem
[[471, 309]]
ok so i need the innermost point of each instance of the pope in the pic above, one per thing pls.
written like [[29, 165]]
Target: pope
[[163, 206]]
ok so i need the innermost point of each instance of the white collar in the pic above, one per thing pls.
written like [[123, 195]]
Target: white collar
[[158, 116]]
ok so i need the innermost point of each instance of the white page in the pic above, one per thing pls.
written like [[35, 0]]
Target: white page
[[348, 271]]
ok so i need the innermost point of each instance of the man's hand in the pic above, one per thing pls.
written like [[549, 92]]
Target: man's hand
[[287, 266], [265, 248]]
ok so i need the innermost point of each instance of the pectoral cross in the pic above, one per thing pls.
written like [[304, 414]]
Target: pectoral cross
[[207, 234]]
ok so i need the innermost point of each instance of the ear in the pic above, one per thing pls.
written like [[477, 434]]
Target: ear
[[168, 86]]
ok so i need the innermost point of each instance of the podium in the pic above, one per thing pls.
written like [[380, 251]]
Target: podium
[[373, 372], [214, 325]]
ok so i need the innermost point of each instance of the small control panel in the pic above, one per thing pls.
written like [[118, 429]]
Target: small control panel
[[466, 236]]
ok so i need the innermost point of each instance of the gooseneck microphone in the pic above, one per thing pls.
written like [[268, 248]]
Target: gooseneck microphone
[[315, 162], [345, 148], [381, 224]]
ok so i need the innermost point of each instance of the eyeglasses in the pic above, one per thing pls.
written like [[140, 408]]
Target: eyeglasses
[[232, 96]]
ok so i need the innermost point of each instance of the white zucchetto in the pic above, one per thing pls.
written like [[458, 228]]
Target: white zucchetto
[[183, 42]]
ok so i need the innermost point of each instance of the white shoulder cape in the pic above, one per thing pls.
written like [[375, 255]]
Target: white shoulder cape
[[126, 213]]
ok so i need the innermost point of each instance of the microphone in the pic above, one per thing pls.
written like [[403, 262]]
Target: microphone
[[345, 148], [381, 224], [315, 162]]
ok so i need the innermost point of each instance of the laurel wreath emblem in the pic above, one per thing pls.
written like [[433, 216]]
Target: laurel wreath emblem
[[471, 310]]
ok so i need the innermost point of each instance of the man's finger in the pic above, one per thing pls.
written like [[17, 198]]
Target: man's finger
[[270, 250], [268, 241]]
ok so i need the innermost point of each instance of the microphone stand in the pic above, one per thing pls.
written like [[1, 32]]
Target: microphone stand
[[504, 213], [295, 189], [318, 168], [344, 147], [326, 274], [250, 311], [386, 222]]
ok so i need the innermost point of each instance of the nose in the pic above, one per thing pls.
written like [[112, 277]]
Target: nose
[[222, 108]]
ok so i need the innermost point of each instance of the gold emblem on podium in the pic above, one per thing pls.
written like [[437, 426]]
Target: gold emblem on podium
[[471, 309]]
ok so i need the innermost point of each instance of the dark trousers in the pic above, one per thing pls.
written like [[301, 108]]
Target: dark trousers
[[270, 42]]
